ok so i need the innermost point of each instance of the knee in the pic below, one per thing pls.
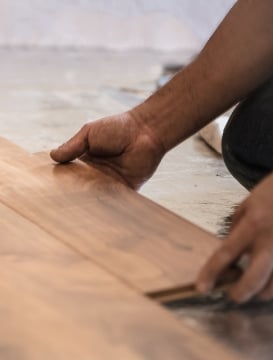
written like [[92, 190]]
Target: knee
[[231, 158], [231, 142], [239, 153], [247, 140]]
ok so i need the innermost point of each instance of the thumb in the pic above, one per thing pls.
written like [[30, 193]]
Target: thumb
[[73, 148]]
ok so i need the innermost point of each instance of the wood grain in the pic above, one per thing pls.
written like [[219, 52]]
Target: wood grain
[[56, 305], [147, 246]]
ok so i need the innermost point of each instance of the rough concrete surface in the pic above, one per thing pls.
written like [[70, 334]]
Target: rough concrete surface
[[46, 95]]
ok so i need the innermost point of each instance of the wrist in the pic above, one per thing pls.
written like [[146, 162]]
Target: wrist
[[142, 118], [172, 112]]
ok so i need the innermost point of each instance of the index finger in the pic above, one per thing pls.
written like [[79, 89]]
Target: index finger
[[235, 245], [73, 148]]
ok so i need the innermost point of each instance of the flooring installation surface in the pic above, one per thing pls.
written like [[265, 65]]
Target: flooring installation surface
[[58, 302]]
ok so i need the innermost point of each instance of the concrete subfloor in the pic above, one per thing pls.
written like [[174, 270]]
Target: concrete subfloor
[[48, 94]]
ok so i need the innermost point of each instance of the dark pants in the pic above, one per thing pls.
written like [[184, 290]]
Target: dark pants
[[248, 137]]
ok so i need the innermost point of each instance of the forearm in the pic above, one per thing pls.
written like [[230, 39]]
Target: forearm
[[237, 59]]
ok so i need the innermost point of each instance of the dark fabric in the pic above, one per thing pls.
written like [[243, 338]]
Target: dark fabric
[[248, 137]]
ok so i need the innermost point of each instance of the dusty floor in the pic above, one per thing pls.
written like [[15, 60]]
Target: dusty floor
[[46, 95]]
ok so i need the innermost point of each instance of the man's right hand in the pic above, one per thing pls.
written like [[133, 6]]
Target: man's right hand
[[119, 142]]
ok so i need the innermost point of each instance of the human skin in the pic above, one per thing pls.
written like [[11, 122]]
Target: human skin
[[236, 60]]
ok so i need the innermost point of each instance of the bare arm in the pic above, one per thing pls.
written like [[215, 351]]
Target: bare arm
[[237, 59]]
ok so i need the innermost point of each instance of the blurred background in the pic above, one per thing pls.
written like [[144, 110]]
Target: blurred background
[[110, 24], [67, 62]]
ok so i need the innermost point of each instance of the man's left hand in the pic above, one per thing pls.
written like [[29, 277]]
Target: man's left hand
[[252, 235]]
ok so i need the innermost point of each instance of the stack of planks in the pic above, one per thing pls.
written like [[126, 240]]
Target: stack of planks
[[79, 254]]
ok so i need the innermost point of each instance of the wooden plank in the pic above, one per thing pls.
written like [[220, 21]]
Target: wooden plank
[[11, 150], [54, 304], [167, 296], [132, 237]]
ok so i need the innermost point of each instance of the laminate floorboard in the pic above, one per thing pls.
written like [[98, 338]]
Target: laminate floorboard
[[129, 235], [54, 304]]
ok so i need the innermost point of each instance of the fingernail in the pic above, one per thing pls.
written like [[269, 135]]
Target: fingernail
[[59, 147]]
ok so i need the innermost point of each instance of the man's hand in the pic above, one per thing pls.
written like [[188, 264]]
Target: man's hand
[[252, 235], [122, 143]]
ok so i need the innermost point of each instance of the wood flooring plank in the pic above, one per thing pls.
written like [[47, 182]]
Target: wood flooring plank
[[56, 305], [11, 150], [132, 237]]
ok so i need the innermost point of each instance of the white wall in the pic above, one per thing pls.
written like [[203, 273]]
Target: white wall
[[117, 24]]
